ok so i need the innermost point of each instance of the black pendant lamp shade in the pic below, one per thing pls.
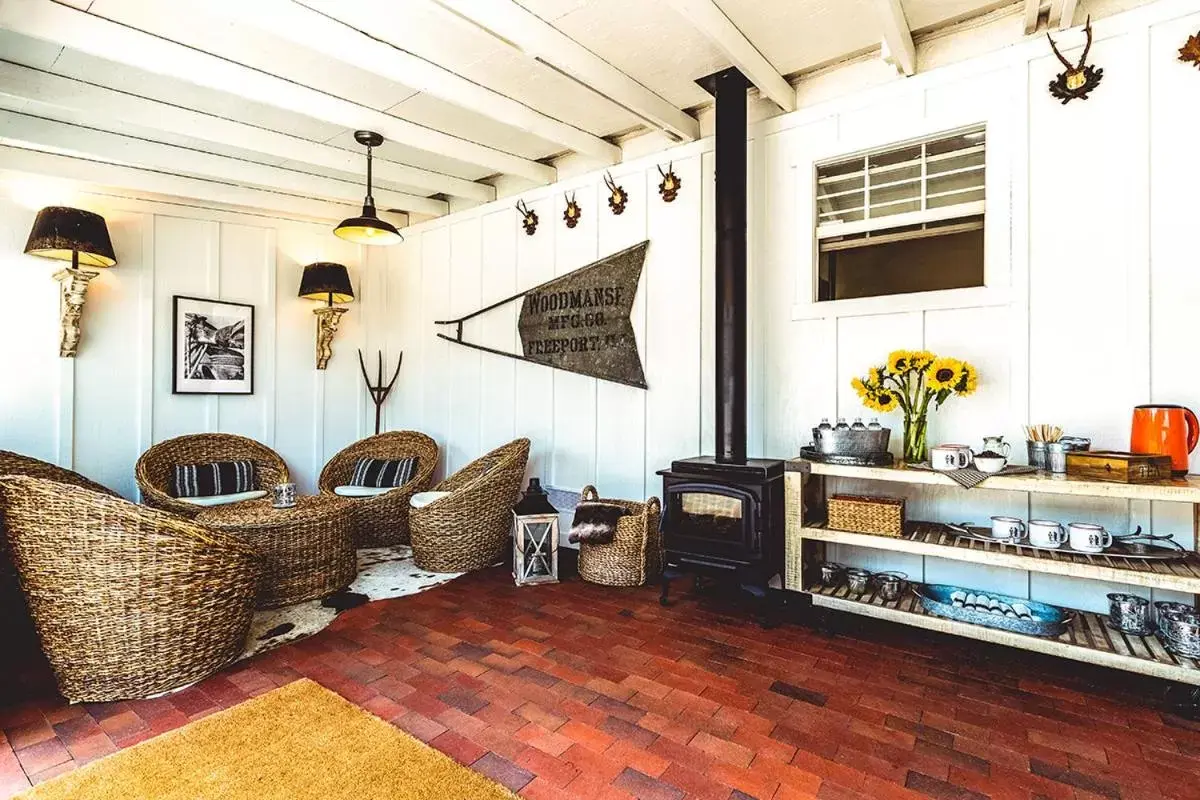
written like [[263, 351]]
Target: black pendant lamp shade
[[64, 233], [368, 228], [326, 281]]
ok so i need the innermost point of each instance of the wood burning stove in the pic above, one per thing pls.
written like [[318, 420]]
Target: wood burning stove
[[723, 514]]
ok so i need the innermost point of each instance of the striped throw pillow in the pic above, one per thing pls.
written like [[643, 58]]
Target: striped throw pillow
[[379, 472], [218, 477]]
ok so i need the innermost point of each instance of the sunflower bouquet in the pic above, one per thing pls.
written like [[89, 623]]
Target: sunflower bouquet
[[911, 380]]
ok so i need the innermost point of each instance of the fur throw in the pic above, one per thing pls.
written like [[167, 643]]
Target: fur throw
[[595, 523]]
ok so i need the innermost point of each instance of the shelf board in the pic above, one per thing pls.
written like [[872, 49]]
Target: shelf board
[[1182, 490], [1088, 639], [933, 539]]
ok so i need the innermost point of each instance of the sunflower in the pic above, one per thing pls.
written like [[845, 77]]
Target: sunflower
[[899, 362], [885, 401], [920, 359], [859, 387], [944, 374], [968, 382]]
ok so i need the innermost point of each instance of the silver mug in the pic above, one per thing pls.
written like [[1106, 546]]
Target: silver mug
[[284, 495]]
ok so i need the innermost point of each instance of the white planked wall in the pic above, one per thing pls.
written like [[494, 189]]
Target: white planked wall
[[1090, 285], [98, 412]]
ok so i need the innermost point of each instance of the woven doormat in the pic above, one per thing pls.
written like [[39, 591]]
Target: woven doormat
[[300, 742], [970, 477]]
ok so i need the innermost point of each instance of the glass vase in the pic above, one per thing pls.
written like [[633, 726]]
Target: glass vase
[[916, 447]]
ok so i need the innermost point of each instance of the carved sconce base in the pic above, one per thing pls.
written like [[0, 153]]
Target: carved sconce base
[[74, 283], [328, 318]]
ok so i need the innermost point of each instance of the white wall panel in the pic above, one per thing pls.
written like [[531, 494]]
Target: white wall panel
[[673, 296], [435, 304], [535, 383], [246, 261], [464, 366], [498, 328], [621, 410], [573, 460]]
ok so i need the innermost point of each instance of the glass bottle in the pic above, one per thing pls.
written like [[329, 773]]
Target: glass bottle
[[841, 424], [874, 426], [824, 426], [858, 425]]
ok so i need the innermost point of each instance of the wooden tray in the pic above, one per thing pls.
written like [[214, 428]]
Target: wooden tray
[[1118, 467]]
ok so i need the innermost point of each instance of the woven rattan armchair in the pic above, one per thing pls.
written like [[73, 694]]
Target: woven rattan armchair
[[127, 601], [383, 520], [469, 529], [155, 470]]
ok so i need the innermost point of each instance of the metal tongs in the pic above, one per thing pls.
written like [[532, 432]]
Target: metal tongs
[[1139, 538]]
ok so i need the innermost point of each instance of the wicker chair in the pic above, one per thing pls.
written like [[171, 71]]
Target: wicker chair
[[383, 520], [635, 555], [127, 601], [469, 529], [155, 470]]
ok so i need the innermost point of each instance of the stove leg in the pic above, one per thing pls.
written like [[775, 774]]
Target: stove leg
[[1184, 701]]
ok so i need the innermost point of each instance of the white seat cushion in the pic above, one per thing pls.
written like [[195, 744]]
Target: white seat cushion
[[422, 499], [224, 499], [362, 491]]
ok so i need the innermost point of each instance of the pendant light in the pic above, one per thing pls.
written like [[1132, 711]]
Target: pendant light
[[368, 228]]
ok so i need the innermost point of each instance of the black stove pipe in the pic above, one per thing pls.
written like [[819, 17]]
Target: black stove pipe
[[729, 88]]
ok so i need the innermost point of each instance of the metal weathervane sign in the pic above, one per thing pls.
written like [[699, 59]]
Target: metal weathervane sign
[[578, 322]]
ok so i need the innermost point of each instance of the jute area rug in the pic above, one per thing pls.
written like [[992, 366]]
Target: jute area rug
[[298, 742]]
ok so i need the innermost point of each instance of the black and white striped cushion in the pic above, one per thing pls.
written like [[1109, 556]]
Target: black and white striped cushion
[[380, 472], [219, 477]]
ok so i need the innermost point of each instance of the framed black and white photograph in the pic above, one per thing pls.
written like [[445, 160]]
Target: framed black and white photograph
[[213, 347]]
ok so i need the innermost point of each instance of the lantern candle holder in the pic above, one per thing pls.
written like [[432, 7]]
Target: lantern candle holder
[[535, 537]]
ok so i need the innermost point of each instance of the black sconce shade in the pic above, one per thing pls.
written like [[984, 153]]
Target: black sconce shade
[[325, 280], [61, 232]]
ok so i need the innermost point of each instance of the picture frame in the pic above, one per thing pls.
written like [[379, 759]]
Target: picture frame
[[212, 347]]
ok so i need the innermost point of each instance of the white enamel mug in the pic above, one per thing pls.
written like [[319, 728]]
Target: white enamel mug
[[1046, 533], [1008, 528], [947, 457], [1089, 538]]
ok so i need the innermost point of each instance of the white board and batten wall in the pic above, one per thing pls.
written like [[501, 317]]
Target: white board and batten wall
[[1090, 284], [98, 412]]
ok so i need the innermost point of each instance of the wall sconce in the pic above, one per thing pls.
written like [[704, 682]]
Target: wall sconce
[[78, 236], [331, 283]]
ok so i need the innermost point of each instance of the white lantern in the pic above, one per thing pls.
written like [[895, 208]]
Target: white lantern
[[535, 537]]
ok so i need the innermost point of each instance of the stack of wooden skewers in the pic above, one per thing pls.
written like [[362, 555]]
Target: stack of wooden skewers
[[1043, 433]]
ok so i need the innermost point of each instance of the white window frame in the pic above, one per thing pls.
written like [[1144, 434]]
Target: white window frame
[[996, 289]]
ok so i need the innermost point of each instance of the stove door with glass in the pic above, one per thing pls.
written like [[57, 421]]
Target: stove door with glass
[[709, 521]]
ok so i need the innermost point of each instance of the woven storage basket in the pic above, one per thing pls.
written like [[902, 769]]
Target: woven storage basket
[[881, 516], [635, 555]]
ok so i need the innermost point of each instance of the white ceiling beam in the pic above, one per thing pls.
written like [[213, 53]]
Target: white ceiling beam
[[125, 179], [897, 47], [104, 38], [710, 20], [1032, 13], [515, 25], [68, 93], [23, 129], [1062, 13], [341, 36]]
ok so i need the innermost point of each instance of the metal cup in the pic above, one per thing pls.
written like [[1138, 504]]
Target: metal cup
[[283, 495], [857, 580], [831, 573], [1056, 457], [1130, 614], [891, 585]]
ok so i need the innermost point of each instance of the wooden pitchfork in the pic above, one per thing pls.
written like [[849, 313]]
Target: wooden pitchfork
[[379, 392]]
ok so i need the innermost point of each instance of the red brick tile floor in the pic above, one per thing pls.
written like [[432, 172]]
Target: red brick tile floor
[[581, 691]]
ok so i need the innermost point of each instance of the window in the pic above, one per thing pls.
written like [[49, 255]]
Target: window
[[902, 220]]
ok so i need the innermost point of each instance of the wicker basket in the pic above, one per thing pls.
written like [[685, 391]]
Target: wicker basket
[[881, 516], [635, 555], [382, 521]]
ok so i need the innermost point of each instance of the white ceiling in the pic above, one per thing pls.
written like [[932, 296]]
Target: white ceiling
[[649, 41]]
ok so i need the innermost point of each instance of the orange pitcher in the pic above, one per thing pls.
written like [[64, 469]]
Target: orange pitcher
[[1168, 430]]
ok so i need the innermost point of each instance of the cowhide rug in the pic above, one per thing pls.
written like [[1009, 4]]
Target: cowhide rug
[[383, 573]]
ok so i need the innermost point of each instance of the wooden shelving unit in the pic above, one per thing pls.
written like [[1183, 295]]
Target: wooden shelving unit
[[1089, 640]]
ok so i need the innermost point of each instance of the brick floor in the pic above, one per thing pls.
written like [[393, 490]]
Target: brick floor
[[580, 691]]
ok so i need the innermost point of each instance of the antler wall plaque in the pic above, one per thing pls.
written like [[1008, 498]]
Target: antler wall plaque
[[670, 185], [578, 322], [1078, 80], [572, 213], [529, 218], [1190, 52], [617, 196]]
